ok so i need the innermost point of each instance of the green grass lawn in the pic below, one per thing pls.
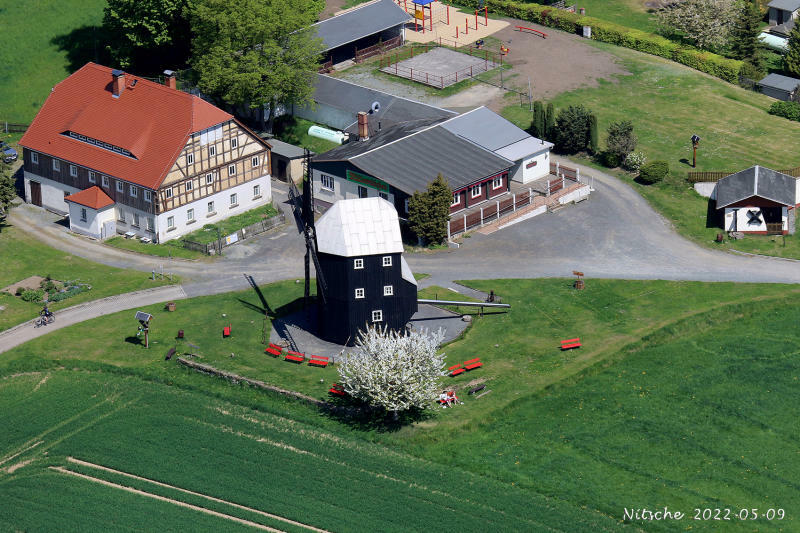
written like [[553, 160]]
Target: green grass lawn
[[667, 103], [41, 43], [684, 403], [208, 233], [168, 249], [630, 13], [24, 256]]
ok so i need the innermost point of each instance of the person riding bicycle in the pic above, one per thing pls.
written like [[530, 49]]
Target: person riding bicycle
[[46, 313]]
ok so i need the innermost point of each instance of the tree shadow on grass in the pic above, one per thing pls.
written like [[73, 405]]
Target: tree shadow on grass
[[363, 417], [83, 45]]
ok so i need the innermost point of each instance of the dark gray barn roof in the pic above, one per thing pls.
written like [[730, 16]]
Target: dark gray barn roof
[[408, 156], [756, 181], [786, 5], [353, 98], [777, 81], [362, 21]]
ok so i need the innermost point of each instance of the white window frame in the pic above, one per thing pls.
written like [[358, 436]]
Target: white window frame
[[106, 182], [359, 293], [256, 190], [210, 206], [83, 214], [168, 193], [388, 290], [234, 199], [190, 159], [121, 216], [92, 177], [170, 222], [73, 171], [254, 161], [497, 183], [358, 264], [232, 170], [377, 315], [456, 199], [212, 150], [35, 158], [473, 189], [147, 196], [133, 191], [56, 165], [386, 260], [190, 215], [120, 186], [135, 222], [149, 224], [326, 182], [234, 142], [189, 185], [210, 178]]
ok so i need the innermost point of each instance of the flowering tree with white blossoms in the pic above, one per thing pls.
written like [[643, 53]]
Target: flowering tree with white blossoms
[[393, 371]]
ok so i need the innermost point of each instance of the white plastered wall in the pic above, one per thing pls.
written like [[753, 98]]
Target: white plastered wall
[[343, 189], [52, 192], [525, 175], [222, 208], [94, 219]]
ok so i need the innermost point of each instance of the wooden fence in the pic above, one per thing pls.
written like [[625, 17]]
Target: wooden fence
[[492, 210], [697, 177], [390, 62], [376, 49], [11, 127], [241, 235]]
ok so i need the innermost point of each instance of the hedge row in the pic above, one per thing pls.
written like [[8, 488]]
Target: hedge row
[[716, 65]]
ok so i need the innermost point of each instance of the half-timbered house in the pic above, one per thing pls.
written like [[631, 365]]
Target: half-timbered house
[[162, 161]]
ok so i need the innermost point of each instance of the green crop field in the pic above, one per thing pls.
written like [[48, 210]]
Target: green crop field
[[24, 256], [667, 104], [679, 397]]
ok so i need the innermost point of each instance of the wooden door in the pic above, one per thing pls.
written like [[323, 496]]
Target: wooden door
[[36, 193]]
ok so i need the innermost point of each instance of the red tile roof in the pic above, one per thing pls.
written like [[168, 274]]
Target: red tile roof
[[93, 197], [150, 120]]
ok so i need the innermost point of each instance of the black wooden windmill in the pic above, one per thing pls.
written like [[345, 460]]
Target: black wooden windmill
[[303, 209]]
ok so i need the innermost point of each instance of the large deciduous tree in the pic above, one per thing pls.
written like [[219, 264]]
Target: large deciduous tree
[[148, 35], [791, 61], [429, 211], [256, 52], [393, 371], [706, 23]]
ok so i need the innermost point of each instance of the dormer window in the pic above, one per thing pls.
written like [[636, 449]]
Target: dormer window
[[358, 264], [387, 260]]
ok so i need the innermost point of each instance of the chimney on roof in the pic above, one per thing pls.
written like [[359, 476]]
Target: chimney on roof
[[363, 126], [170, 80], [119, 82]]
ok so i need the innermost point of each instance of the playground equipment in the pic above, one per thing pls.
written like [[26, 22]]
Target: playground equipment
[[144, 326]]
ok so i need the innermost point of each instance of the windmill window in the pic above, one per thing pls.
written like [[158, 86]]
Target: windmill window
[[359, 293], [358, 264], [387, 260], [327, 182], [377, 316], [388, 290]]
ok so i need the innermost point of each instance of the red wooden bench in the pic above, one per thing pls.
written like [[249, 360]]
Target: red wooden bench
[[319, 360], [542, 34], [569, 344], [456, 370], [472, 364], [295, 357], [226, 331], [274, 349], [337, 390]]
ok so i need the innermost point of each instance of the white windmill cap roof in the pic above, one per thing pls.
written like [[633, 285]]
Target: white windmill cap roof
[[361, 226]]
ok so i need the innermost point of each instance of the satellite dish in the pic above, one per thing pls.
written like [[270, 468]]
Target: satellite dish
[[375, 107]]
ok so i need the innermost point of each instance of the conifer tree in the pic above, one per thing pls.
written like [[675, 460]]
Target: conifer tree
[[429, 211], [538, 119], [791, 61], [549, 122]]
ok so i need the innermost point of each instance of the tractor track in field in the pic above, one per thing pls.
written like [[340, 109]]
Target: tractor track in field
[[186, 491]]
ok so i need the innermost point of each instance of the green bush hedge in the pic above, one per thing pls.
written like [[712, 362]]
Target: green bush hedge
[[608, 32], [653, 172], [790, 110]]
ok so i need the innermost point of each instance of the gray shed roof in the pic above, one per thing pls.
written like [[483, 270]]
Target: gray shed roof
[[353, 98], [756, 181], [785, 5], [287, 150], [777, 81], [360, 22], [491, 131]]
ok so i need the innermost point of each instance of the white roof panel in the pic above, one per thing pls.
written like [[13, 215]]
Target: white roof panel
[[362, 226], [523, 148]]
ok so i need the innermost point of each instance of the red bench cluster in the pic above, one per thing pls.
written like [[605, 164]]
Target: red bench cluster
[[569, 344], [297, 357], [226, 331], [337, 390], [460, 368]]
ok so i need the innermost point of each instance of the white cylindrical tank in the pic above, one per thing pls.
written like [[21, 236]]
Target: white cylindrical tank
[[329, 135], [775, 42]]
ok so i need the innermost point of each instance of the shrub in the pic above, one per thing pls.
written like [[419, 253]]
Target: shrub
[[634, 161], [621, 139], [32, 295], [69, 293], [751, 71], [610, 159], [790, 110], [653, 172], [593, 135]]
